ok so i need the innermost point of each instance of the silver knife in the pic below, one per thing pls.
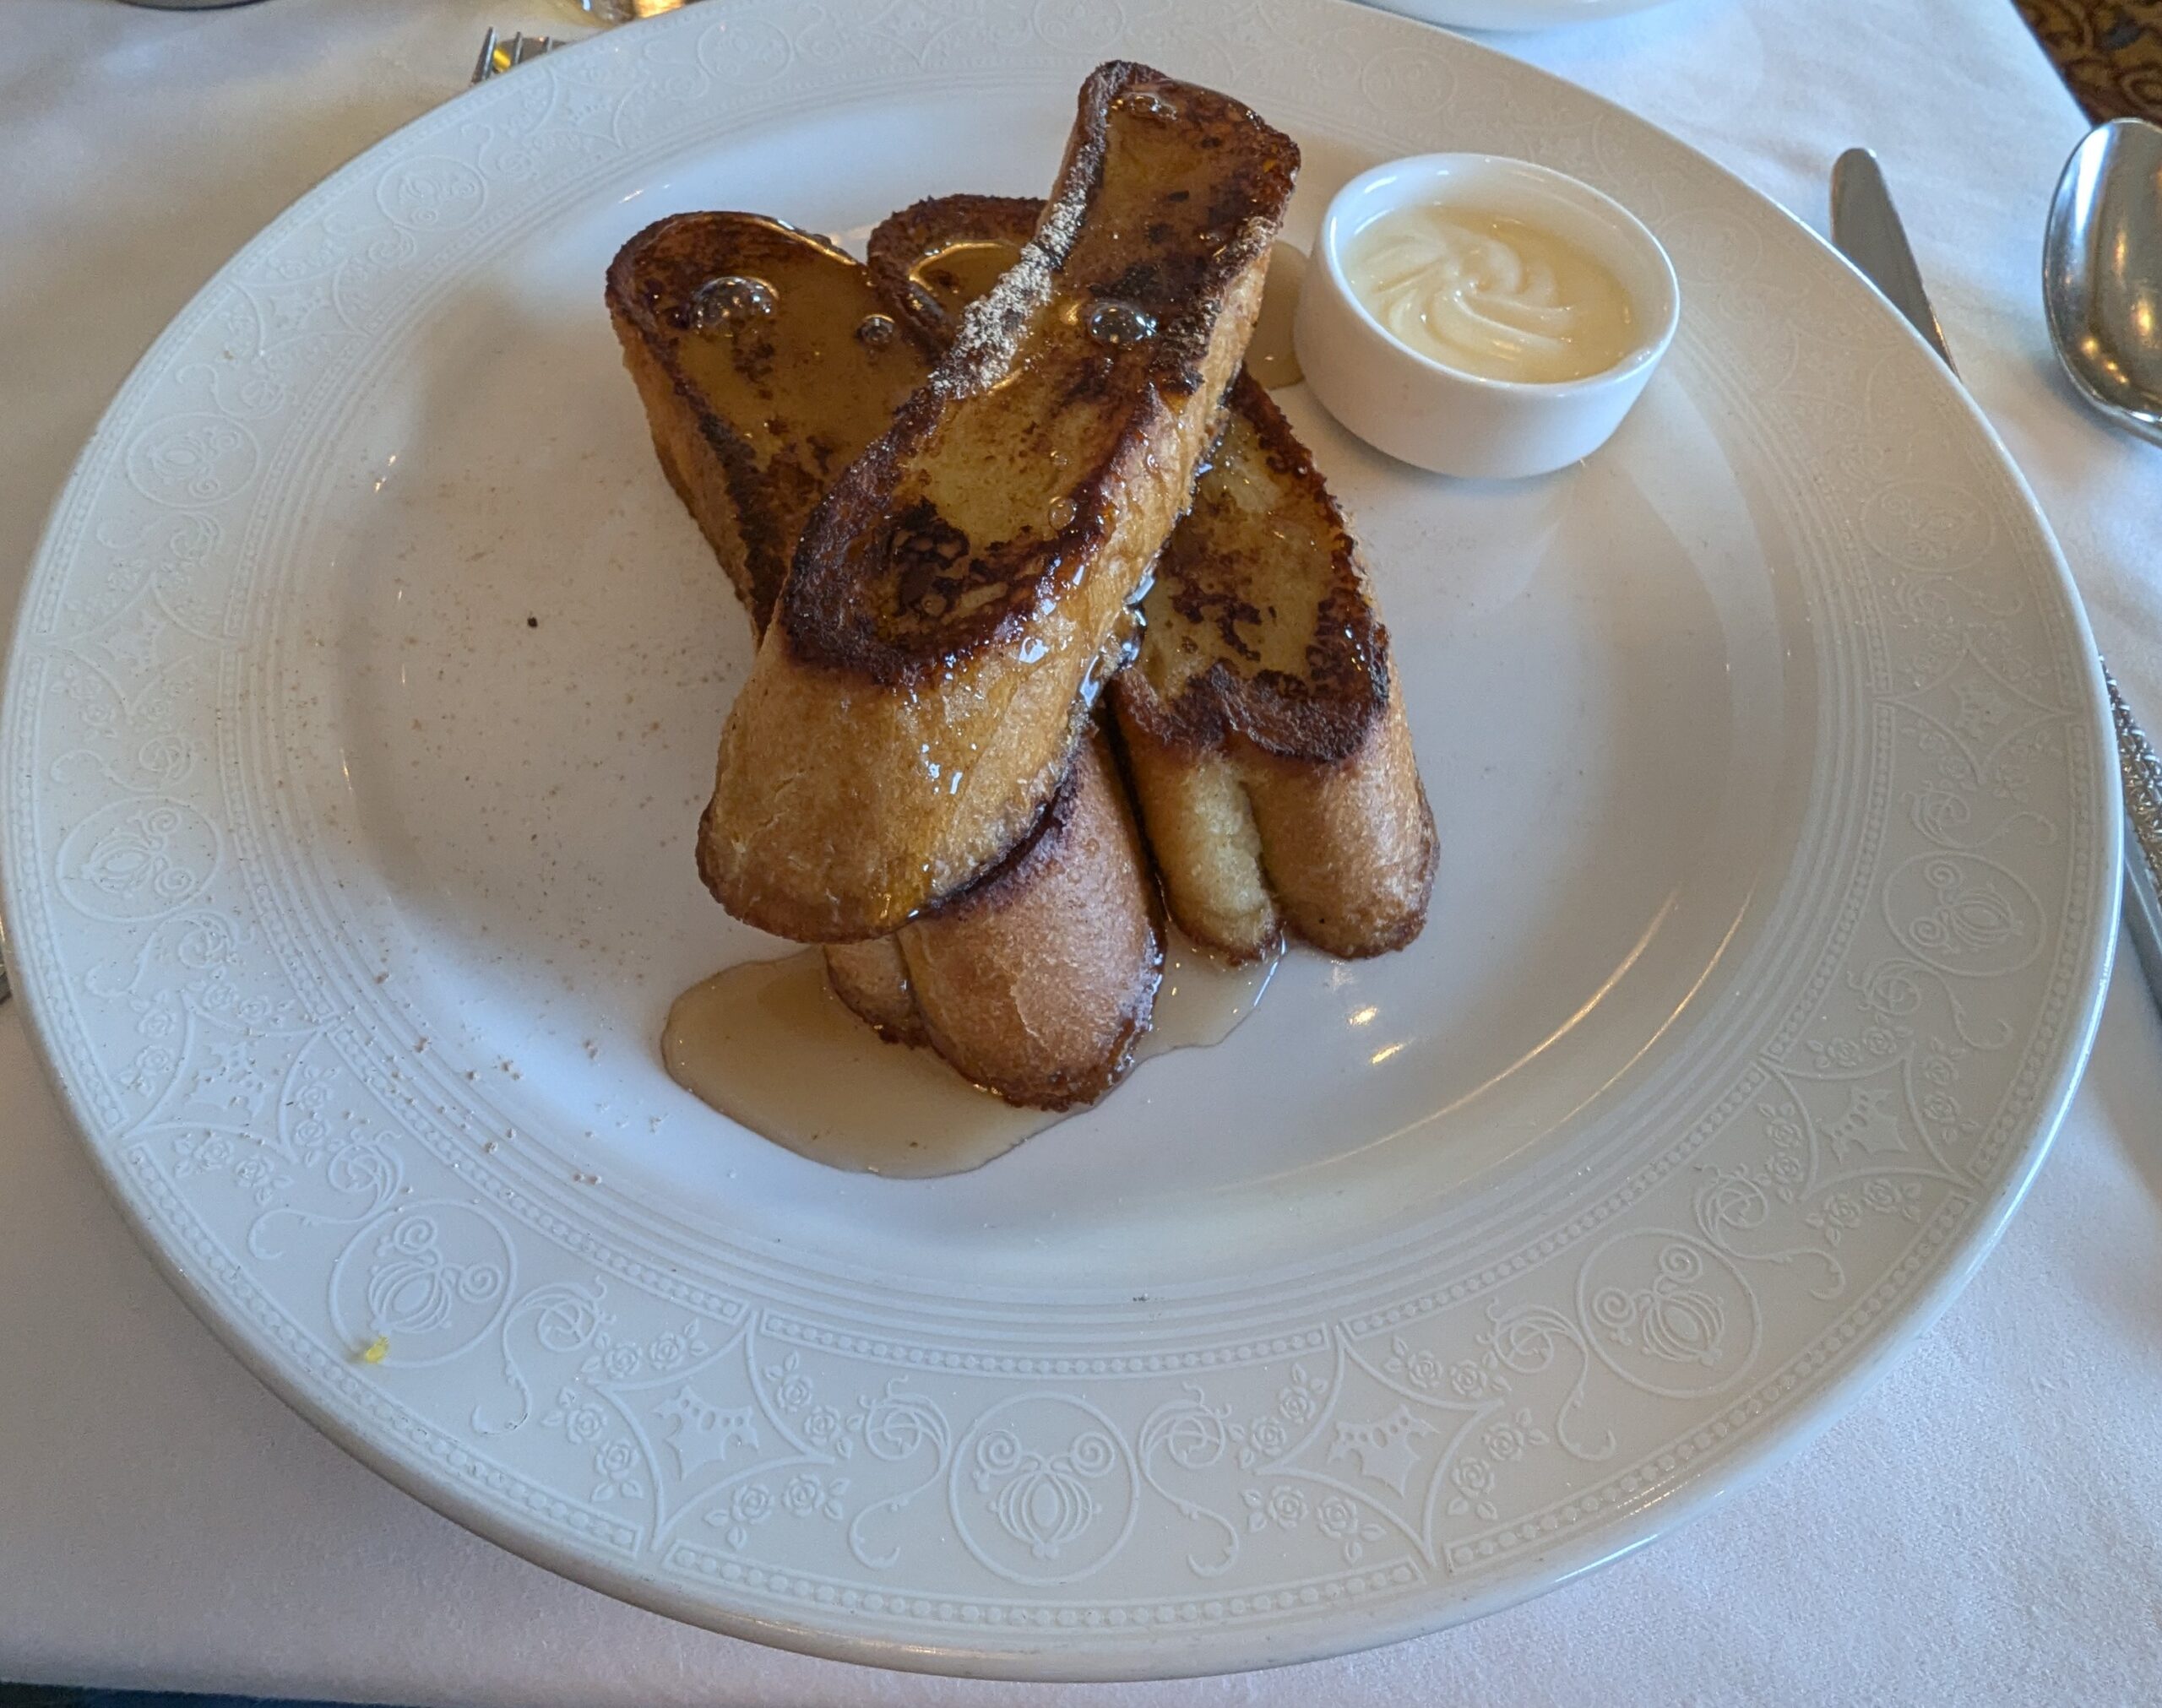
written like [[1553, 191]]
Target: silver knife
[[1866, 229]]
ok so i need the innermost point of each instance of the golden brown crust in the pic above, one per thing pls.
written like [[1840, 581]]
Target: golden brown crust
[[1260, 624], [1348, 848], [1265, 675], [1248, 843], [748, 441], [1038, 982], [1042, 976], [956, 594], [871, 980], [1206, 847], [1268, 750]]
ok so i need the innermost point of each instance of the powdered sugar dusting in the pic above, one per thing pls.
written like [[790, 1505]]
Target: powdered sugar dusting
[[991, 327]]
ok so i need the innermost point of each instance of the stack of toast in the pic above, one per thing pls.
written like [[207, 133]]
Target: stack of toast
[[1025, 548]]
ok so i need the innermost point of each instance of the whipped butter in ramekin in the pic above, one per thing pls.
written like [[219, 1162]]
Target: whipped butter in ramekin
[[1479, 316]]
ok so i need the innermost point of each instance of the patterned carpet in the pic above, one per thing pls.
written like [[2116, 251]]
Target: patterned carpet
[[2109, 51]]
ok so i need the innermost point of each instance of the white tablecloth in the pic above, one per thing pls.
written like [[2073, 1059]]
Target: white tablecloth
[[1985, 1526]]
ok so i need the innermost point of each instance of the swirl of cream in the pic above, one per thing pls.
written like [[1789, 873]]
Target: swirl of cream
[[1491, 296]]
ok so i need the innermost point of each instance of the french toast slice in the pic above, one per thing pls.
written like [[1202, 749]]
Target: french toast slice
[[958, 595], [755, 411], [1267, 746], [1267, 743], [1038, 979], [1036, 982]]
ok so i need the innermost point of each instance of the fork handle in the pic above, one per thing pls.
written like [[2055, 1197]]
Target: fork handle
[[2141, 772]]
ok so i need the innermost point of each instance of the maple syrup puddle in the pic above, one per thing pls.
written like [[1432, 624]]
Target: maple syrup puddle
[[770, 1046], [956, 276]]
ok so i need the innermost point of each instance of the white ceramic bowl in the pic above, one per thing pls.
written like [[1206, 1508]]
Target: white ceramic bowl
[[1441, 418]]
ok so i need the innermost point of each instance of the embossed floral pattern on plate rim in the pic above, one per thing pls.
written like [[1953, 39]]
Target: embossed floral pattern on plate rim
[[1169, 1503]]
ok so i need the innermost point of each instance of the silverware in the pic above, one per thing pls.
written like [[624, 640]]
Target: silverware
[[500, 55], [2143, 779], [626, 11], [2102, 273], [1866, 229]]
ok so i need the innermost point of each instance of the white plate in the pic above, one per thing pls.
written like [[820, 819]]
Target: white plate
[[347, 903], [1512, 14]]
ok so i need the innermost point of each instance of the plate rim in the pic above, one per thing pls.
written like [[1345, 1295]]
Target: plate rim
[[1168, 1654]]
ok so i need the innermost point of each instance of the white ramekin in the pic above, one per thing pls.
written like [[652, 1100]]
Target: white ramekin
[[1441, 418]]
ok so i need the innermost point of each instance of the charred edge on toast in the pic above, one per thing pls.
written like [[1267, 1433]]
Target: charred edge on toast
[[1260, 639], [945, 596], [652, 288], [654, 309], [1320, 714]]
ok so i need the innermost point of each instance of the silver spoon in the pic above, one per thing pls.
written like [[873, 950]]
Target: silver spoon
[[2102, 273], [2102, 292]]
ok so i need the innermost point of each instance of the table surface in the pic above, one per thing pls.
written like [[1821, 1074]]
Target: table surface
[[1984, 1526]]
